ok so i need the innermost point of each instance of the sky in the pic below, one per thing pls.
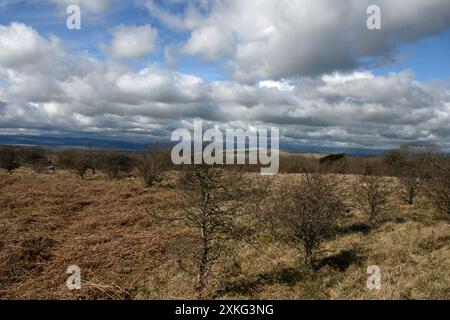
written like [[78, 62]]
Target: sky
[[142, 69]]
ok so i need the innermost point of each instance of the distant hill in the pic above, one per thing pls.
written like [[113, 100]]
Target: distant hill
[[63, 142], [105, 142]]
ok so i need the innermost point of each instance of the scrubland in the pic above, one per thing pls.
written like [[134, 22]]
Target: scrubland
[[111, 229]]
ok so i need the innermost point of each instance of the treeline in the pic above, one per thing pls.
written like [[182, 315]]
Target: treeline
[[419, 169], [148, 164]]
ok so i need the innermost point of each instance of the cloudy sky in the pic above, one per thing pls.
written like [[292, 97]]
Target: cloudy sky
[[312, 68]]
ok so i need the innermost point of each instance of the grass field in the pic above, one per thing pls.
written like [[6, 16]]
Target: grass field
[[51, 221]]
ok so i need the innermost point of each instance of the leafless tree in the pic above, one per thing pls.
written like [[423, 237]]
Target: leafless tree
[[36, 158], [79, 161], [410, 187], [371, 196], [214, 201], [437, 182], [152, 163], [9, 159], [308, 210], [115, 163], [405, 163]]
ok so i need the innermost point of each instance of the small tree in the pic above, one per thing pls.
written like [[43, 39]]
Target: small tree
[[151, 164], [410, 187], [76, 160], [437, 182], [404, 163], [213, 201], [115, 163], [308, 211], [36, 158], [9, 159], [370, 195]]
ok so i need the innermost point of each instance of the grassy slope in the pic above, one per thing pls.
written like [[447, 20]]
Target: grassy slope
[[51, 221]]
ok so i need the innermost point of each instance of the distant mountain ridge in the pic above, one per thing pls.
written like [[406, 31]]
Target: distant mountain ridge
[[64, 142]]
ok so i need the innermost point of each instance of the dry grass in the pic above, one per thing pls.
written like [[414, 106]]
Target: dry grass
[[51, 221]]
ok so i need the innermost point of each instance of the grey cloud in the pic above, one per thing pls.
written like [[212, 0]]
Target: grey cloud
[[283, 38], [342, 109]]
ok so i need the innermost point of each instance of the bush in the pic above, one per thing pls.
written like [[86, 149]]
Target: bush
[[308, 211], [333, 157], [437, 183], [36, 158], [9, 159], [410, 187], [405, 164], [370, 195], [214, 201], [151, 164], [77, 160], [116, 163]]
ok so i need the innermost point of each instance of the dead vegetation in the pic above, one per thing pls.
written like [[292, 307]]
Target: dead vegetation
[[308, 211], [218, 233]]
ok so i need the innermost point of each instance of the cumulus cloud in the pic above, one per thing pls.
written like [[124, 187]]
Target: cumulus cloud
[[132, 42], [209, 42], [283, 38], [96, 6], [21, 46], [55, 90]]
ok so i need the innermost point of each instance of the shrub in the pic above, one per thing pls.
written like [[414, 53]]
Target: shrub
[[333, 157], [370, 195], [116, 163], [437, 183], [77, 160], [410, 187], [151, 164], [405, 163], [213, 201], [9, 159], [36, 158], [308, 211]]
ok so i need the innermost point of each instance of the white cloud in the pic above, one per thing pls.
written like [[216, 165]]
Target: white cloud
[[282, 38], [282, 85], [96, 6], [22, 46], [209, 42], [78, 93], [131, 42]]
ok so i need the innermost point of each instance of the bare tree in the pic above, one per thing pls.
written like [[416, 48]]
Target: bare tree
[[370, 195], [404, 163], [308, 210], [115, 163], [77, 160], [410, 187], [152, 163], [9, 159], [437, 182], [36, 158], [214, 200]]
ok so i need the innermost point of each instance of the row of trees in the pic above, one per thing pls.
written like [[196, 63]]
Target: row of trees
[[419, 170], [149, 164], [12, 158]]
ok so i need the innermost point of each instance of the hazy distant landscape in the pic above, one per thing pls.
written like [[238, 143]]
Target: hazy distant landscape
[[65, 142]]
